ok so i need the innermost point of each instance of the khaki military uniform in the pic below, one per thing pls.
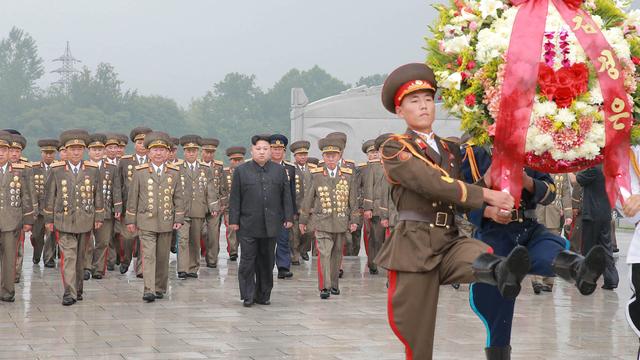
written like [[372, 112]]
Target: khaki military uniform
[[96, 257], [44, 245], [200, 198], [300, 243], [129, 243], [114, 241], [232, 239], [375, 193], [74, 202], [154, 205], [333, 205], [425, 249], [32, 195], [16, 206], [213, 222]]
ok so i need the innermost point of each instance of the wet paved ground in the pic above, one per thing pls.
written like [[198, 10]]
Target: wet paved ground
[[204, 318]]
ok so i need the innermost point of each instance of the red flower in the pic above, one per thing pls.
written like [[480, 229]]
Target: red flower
[[471, 65], [470, 100], [459, 60], [635, 60], [564, 97], [573, 4], [564, 85]]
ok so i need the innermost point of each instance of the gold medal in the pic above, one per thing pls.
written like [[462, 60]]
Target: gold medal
[[150, 200], [12, 184], [64, 189], [63, 182], [87, 182], [169, 180], [150, 187], [150, 181], [150, 194]]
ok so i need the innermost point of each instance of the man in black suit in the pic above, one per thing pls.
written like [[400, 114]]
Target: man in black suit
[[259, 206], [596, 220]]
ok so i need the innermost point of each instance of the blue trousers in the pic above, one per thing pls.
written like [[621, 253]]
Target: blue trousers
[[283, 251], [495, 311]]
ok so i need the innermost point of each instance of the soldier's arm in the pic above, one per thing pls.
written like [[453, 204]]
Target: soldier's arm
[[213, 195], [50, 198], [223, 190], [116, 191], [235, 198], [179, 203], [544, 188], [28, 212], [354, 209], [385, 198], [407, 169], [307, 202], [288, 201], [367, 190], [132, 200], [98, 198]]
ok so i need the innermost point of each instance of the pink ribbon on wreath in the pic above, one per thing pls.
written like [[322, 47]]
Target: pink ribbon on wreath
[[519, 89]]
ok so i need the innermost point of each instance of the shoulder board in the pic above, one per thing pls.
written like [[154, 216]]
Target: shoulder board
[[22, 158], [374, 161], [57, 164], [25, 164], [346, 170], [178, 162], [349, 161], [18, 166], [142, 166], [247, 160], [203, 164], [320, 162], [312, 166], [317, 170], [35, 164], [90, 164], [126, 157], [218, 162], [226, 169], [362, 164], [173, 166]]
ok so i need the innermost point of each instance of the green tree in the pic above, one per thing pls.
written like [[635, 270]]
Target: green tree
[[371, 80]]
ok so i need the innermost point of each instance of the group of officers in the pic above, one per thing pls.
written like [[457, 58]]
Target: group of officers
[[96, 209]]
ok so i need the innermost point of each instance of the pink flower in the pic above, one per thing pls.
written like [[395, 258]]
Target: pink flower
[[473, 26], [470, 100]]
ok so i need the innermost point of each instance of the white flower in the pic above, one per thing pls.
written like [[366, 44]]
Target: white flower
[[596, 95], [565, 116], [450, 31], [464, 18], [615, 37], [633, 18], [544, 109], [452, 81], [456, 45], [490, 8]]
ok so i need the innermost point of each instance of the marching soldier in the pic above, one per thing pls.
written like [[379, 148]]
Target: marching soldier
[[96, 256], [17, 215], [212, 243], [300, 243], [236, 157], [374, 195], [112, 148], [554, 217], [74, 205], [331, 200], [126, 169], [199, 199], [43, 242], [387, 209], [154, 210]]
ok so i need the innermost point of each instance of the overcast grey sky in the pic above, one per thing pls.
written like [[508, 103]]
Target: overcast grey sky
[[180, 48]]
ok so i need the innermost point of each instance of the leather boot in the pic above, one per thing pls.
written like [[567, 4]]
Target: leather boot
[[498, 353], [504, 273], [584, 271]]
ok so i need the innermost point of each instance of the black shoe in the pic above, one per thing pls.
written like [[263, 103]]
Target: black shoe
[[8, 298], [233, 257], [212, 266], [50, 264], [117, 261], [247, 303], [36, 261], [305, 257], [585, 271], [455, 286], [537, 288], [111, 267], [616, 250], [373, 271], [547, 288], [266, 302], [609, 287], [498, 353], [335, 291], [296, 263], [97, 276], [140, 276], [341, 274], [182, 275], [123, 269], [192, 275], [324, 294], [16, 281], [79, 297], [504, 273], [174, 250], [149, 297], [284, 274], [159, 295], [67, 300], [87, 275]]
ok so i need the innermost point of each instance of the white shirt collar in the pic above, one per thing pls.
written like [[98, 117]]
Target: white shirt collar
[[430, 139], [5, 167], [156, 167], [193, 165], [141, 159], [75, 168], [332, 173]]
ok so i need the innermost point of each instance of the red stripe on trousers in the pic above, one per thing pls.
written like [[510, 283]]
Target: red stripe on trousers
[[320, 277], [393, 281]]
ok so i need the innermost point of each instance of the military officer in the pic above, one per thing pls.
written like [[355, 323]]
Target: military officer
[[200, 198], [96, 254], [374, 194], [126, 168], [555, 217], [62, 153], [236, 157], [300, 243], [74, 205], [112, 156], [313, 161], [386, 208], [154, 210], [173, 152], [43, 241], [124, 141], [17, 214], [212, 243], [331, 200]]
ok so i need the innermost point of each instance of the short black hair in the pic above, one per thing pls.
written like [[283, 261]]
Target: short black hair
[[260, 137]]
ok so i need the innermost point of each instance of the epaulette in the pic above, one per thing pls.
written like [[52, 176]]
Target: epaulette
[[35, 164], [178, 162], [312, 166], [24, 159], [288, 162], [57, 164], [317, 170], [18, 166], [320, 162], [362, 164], [173, 166], [204, 164], [349, 161], [218, 162], [247, 160], [226, 169], [126, 157], [26, 164], [142, 166], [91, 164], [374, 161], [346, 170]]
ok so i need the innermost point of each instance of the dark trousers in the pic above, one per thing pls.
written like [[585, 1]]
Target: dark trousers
[[283, 251], [633, 306], [255, 271], [598, 232]]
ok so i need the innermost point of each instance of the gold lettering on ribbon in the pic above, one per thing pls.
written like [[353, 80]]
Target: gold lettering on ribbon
[[587, 28], [608, 64], [617, 106]]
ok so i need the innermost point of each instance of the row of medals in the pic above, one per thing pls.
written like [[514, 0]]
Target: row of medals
[[341, 194], [84, 190], [14, 190], [168, 194]]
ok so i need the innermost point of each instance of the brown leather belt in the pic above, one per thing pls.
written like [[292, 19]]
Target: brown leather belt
[[439, 218]]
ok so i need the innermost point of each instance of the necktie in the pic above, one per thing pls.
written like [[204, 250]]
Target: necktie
[[1, 170], [158, 171], [75, 170]]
